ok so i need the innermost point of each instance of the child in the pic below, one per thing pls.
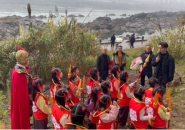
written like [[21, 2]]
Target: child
[[69, 103], [75, 70], [92, 81], [40, 107], [106, 87], [114, 82], [138, 118], [106, 112], [148, 91], [73, 91], [126, 96], [56, 75], [160, 112], [60, 113], [92, 104], [78, 113]]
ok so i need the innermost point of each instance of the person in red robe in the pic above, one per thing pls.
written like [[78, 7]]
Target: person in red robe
[[20, 110]]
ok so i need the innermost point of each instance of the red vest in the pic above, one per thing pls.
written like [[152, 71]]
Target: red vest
[[57, 113], [124, 101], [74, 98], [148, 95], [52, 98], [114, 92], [158, 122], [135, 107], [90, 86], [103, 125], [38, 114]]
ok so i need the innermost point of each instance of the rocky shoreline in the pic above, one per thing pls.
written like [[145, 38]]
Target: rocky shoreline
[[141, 21], [9, 26]]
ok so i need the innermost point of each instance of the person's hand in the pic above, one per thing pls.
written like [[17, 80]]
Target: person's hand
[[152, 117], [157, 59], [146, 55], [168, 84], [115, 103]]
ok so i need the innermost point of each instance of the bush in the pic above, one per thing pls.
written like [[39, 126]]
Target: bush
[[174, 37], [50, 46]]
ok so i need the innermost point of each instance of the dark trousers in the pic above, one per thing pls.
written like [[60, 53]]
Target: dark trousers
[[122, 68], [40, 124], [112, 44], [123, 115], [143, 78], [131, 44], [103, 75], [150, 127]]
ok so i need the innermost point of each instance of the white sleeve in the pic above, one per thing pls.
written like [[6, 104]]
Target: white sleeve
[[127, 91], [64, 120], [142, 117], [116, 85], [131, 85]]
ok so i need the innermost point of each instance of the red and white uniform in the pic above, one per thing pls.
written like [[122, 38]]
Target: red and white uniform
[[90, 86], [124, 100], [114, 87], [148, 96], [158, 122], [74, 98], [38, 114], [52, 97], [60, 116], [136, 107]]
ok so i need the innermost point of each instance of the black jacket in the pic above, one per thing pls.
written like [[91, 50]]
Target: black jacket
[[148, 69], [100, 63], [168, 68], [132, 39], [113, 38]]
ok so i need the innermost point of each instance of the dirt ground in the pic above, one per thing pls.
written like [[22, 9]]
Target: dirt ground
[[177, 121]]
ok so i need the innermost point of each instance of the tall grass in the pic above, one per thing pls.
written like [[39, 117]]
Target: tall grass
[[174, 37], [50, 46]]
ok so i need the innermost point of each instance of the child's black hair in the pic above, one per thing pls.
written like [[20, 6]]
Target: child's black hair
[[115, 68], [35, 86], [60, 96], [93, 74], [73, 69], [153, 82], [105, 85], [66, 87], [123, 78], [139, 92], [161, 90], [104, 99], [73, 76], [54, 76], [94, 95], [78, 112]]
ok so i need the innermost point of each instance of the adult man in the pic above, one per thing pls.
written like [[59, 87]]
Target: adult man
[[119, 58], [113, 39], [132, 40], [148, 69], [21, 86], [102, 64], [165, 65]]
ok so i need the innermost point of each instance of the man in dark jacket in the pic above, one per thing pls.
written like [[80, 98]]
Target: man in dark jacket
[[113, 39], [102, 64], [165, 66], [119, 58], [148, 69], [132, 40]]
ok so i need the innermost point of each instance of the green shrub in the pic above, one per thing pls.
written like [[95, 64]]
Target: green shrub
[[50, 46]]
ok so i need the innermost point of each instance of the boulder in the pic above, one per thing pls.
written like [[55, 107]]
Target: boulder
[[71, 15], [81, 15], [123, 15], [41, 17], [112, 15]]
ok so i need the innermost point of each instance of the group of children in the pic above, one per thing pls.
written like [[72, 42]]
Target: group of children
[[107, 106]]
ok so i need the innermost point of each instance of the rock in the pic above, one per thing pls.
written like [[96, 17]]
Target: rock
[[103, 31], [123, 15], [112, 15], [182, 89], [150, 32], [71, 15], [81, 15], [41, 17]]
